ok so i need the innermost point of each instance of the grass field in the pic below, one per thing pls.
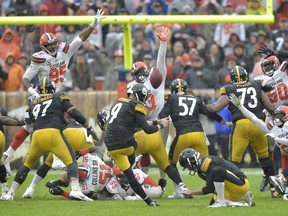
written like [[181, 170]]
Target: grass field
[[45, 204]]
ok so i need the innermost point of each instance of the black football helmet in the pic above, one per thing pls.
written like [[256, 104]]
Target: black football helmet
[[178, 86], [238, 75], [139, 91], [189, 158], [46, 86]]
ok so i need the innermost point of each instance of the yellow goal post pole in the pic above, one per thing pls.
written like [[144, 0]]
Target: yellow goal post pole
[[127, 20]]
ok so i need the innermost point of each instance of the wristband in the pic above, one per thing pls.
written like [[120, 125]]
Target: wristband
[[155, 122]]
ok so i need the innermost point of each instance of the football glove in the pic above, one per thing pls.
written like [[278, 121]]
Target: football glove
[[97, 19], [266, 51], [33, 93], [78, 154], [55, 190], [236, 101], [92, 132], [164, 33]]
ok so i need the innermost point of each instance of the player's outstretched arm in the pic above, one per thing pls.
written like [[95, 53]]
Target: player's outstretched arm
[[249, 115], [97, 20]]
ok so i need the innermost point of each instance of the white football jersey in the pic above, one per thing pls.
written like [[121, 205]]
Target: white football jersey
[[99, 174], [114, 186], [45, 65], [155, 100], [279, 93]]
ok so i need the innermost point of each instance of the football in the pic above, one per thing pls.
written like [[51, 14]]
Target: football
[[155, 77]]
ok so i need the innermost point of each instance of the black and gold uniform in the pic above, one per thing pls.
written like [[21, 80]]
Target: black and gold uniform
[[244, 131], [125, 115], [184, 111], [214, 169]]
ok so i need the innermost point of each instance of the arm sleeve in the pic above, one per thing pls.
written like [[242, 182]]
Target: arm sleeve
[[282, 141], [141, 121], [249, 115]]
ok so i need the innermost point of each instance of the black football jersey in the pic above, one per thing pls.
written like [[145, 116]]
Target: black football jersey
[[205, 170], [122, 122], [184, 111], [251, 95], [48, 111]]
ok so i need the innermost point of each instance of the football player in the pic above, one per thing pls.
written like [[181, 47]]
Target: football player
[[278, 130], [244, 131], [5, 120], [51, 62], [184, 110], [77, 137], [125, 114], [153, 144], [47, 114], [222, 177]]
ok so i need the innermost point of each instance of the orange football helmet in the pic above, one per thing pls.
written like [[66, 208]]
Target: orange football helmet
[[49, 43], [140, 71], [83, 171], [269, 65]]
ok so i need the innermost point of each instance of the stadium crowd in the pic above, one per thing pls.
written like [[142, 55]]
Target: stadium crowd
[[202, 55]]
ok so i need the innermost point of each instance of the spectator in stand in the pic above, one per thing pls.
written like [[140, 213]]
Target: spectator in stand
[[179, 53], [22, 7], [45, 11], [56, 7], [257, 27], [282, 9], [214, 57], [255, 7], [223, 75], [209, 7], [180, 4], [83, 8], [25, 38], [141, 44], [198, 76], [279, 33], [114, 39], [111, 77], [229, 47], [223, 31], [250, 44], [3, 76], [262, 40], [83, 77], [242, 58], [15, 73], [70, 32], [148, 60], [285, 44], [157, 7], [9, 44]]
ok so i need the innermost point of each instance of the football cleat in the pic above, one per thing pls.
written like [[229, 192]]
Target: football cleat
[[275, 193], [55, 183], [78, 195], [285, 197], [7, 197], [217, 204], [264, 183], [6, 161], [279, 182], [249, 198], [153, 203], [28, 193], [236, 204], [58, 164]]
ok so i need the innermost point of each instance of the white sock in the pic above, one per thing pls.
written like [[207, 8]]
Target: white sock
[[10, 151], [14, 187], [36, 180], [219, 188], [5, 187], [75, 186]]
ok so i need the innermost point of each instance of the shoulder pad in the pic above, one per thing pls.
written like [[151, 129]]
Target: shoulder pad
[[64, 47], [64, 97], [38, 57], [140, 108], [222, 91], [284, 66]]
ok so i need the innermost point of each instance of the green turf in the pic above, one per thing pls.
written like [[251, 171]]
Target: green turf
[[45, 204]]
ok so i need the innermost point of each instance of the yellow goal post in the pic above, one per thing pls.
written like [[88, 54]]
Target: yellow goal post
[[127, 20]]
